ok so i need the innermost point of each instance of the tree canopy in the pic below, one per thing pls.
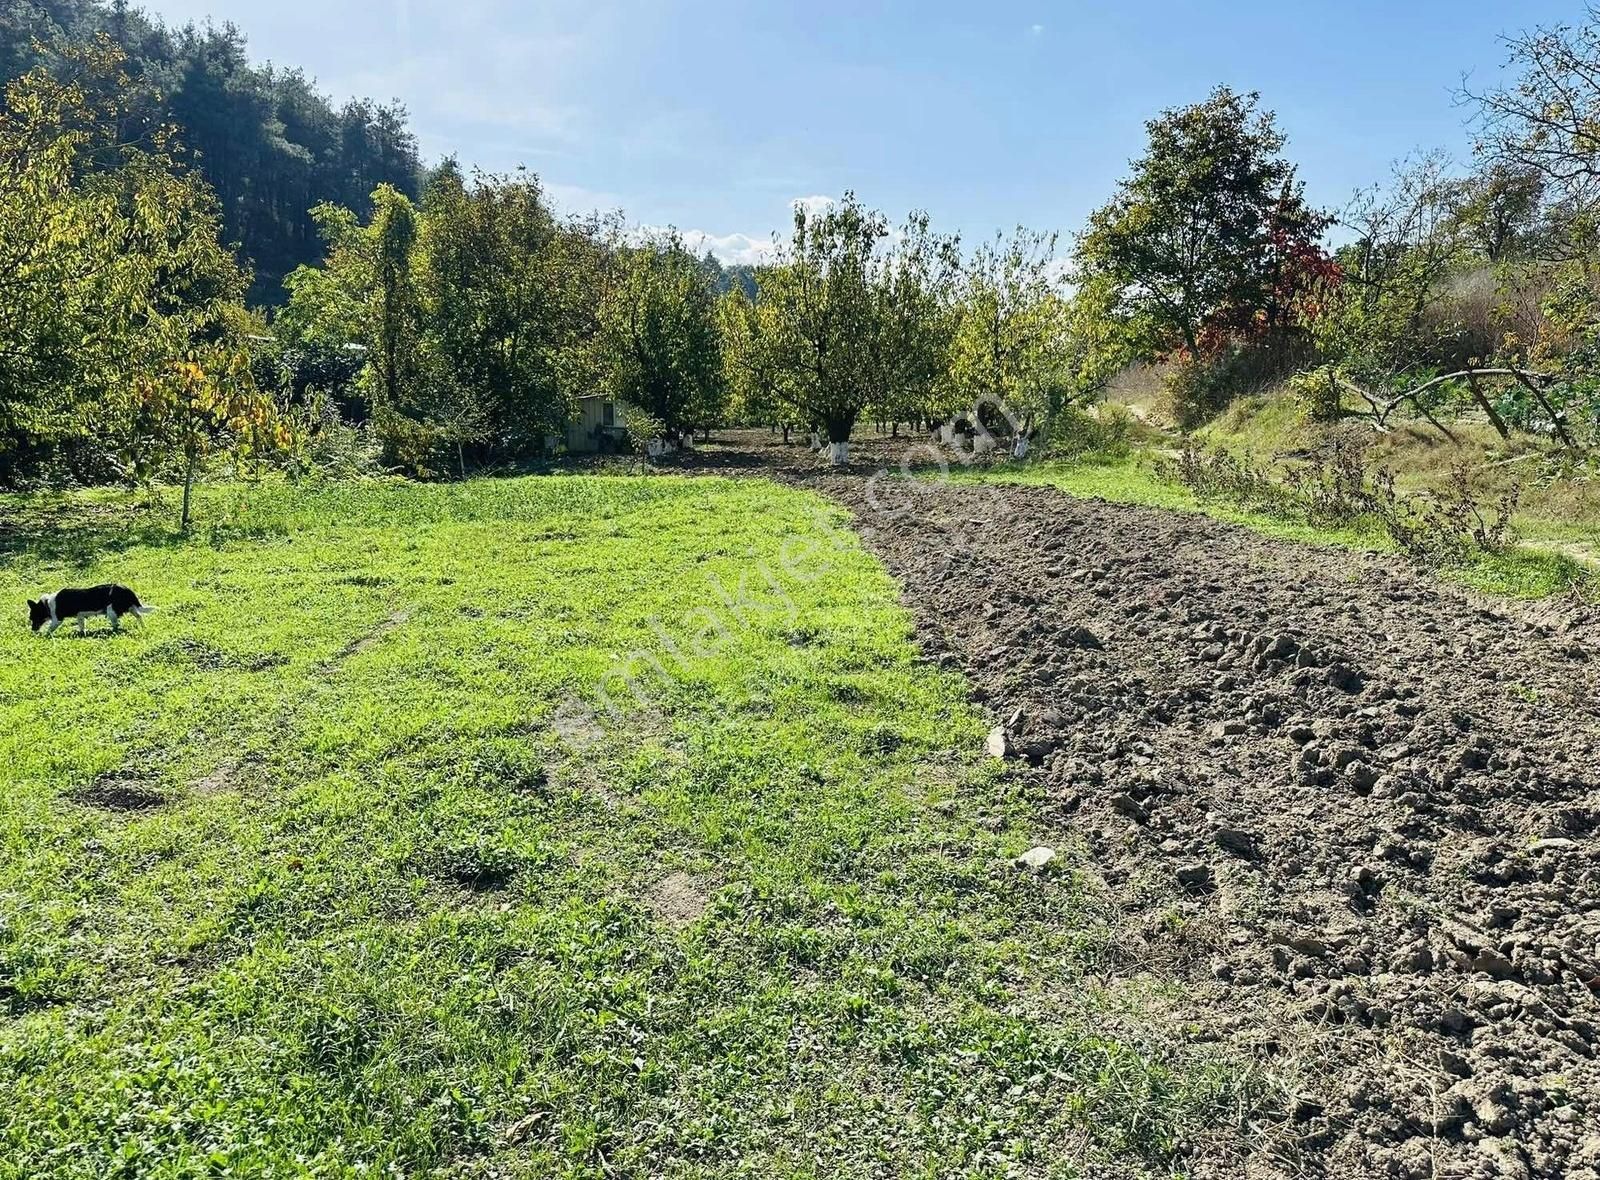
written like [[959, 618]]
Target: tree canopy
[[119, 316], [662, 336], [456, 318], [267, 142], [1211, 235]]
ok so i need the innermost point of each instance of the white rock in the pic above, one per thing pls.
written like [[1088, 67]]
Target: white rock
[[997, 744], [1036, 858], [1554, 844]]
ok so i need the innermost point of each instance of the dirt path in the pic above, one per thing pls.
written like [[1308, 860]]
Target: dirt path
[[1355, 814]]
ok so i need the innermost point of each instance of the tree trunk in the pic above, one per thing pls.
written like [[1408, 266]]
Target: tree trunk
[[188, 491], [1416, 400], [838, 430], [1487, 407], [1544, 404]]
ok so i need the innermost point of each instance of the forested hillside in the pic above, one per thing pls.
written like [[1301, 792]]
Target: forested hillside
[[269, 143]]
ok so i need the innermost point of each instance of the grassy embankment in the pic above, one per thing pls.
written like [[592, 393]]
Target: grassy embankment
[[1557, 525], [319, 871]]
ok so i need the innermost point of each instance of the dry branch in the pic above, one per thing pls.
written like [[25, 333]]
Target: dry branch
[[1383, 407]]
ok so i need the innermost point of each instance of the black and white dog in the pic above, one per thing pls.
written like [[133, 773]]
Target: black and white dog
[[111, 601]]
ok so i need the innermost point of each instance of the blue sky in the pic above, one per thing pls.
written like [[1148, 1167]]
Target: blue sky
[[715, 116]]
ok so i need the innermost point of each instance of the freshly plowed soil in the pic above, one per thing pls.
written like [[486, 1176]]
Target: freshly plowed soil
[[1354, 813]]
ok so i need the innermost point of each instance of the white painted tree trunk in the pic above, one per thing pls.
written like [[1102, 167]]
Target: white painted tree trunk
[[839, 453]]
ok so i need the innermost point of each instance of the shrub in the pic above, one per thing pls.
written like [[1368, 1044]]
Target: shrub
[[1198, 388], [643, 429], [1331, 481], [330, 445], [1194, 391], [304, 371], [416, 447], [1331, 488], [1463, 321], [1445, 527], [1217, 475], [1075, 431], [1317, 392]]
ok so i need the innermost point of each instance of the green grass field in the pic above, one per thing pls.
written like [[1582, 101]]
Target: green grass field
[[364, 857]]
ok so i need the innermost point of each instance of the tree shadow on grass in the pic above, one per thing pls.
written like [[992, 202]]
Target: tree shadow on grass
[[728, 457], [60, 528], [730, 451]]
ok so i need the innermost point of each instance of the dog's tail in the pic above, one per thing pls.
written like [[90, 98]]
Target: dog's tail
[[141, 610]]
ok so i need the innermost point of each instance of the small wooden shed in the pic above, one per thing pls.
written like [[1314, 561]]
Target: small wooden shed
[[599, 425]]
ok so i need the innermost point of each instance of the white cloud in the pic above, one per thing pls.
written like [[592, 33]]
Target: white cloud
[[730, 249], [1035, 30], [739, 249], [814, 206], [550, 122], [509, 87], [733, 249]]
